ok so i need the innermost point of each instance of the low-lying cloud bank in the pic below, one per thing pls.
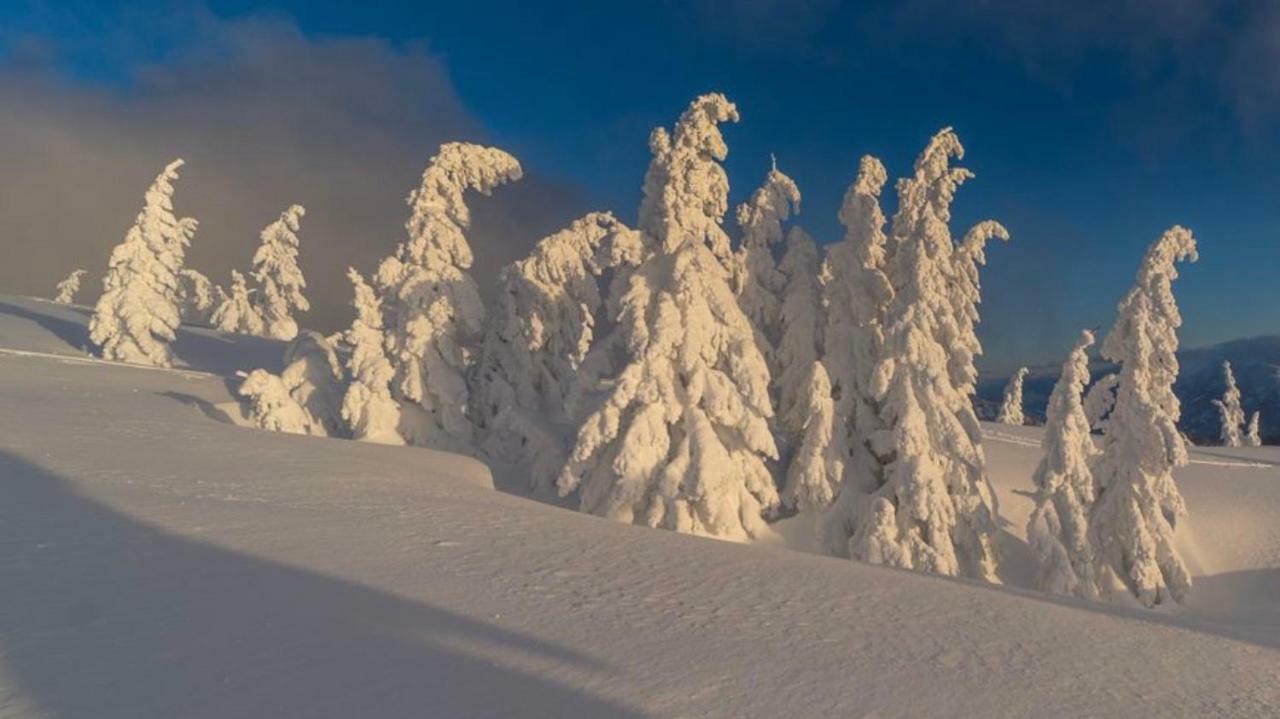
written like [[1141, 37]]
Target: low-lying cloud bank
[[265, 117]]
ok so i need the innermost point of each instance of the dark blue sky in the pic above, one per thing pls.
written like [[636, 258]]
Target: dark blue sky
[[1089, 131]]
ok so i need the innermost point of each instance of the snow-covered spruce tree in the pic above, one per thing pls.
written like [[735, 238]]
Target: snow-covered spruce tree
[[370, 412], [535, 342], [801, 341], [270, 405], [68, 288], [279, 279], [237, 312], [756, 278], [314, 378], [198, 297], [1252, 436], [1100, 400], [1229, 410], [1058, 530], [681, 440], [1011, 407], [1133, 520], [856, 294], [927, 502], [814, 472], [432, 305], [137, 314]]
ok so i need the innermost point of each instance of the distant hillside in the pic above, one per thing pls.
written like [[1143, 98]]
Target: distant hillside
[[1255, 360]]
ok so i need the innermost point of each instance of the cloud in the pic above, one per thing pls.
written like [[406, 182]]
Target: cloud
[[264, 117]]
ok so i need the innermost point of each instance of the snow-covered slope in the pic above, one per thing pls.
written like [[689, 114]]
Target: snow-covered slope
[[158, 561]]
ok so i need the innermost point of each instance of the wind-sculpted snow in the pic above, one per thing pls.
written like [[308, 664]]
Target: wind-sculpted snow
[[371, 413], [756, 278], [152, 573], [137, 314]]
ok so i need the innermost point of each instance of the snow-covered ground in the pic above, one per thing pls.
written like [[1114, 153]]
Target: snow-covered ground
[[156, 560]]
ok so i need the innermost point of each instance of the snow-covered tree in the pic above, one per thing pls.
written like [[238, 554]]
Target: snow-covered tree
[[681, 439], [137, 315], [1252, 436], [270, 405], [237, 312], [279, 279], [756, 278], [371, 413], [1011, 407], [856, 294], [535, 343], [1100, 400], [68, 288], [1229, 409], [938, 512], [814, 472], [433, 307], [801, 342], [198, 297], [1138, 503], [1059, 527], [314, 378]]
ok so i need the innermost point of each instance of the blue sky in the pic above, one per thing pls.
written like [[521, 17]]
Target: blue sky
[[1089, 132]]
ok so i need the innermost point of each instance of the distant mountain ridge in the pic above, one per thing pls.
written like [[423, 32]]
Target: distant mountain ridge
[[1255, 361]]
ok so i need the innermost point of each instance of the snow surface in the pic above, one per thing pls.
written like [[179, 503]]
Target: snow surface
[[158, 561]]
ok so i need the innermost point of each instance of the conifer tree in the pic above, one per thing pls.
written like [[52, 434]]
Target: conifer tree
[[1058, 530], [681, 439], [756, 278], [1133, 521], [1011, 407], [279, 279], [1229, 409], [67, 289], [237, 312], [434, 313], [1253, 437], [137, 314], [198, 297], [535, 344], [371, 413], [800, 346]]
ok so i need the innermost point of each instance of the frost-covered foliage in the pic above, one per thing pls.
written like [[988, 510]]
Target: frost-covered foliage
[[856, 293], [922, 500], [1100, 400], [1252, 436], [1011, 407], [801, 342], [536, 341], [1229, 410], [270, 405], [814, 473], [1138, 503], [137, 315], [314, 379], [198, 297], [279, 279], [370, 412], [67, 289], [237, 311], [1058, 530], [756, 278], [432, 305], [680, 440]]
